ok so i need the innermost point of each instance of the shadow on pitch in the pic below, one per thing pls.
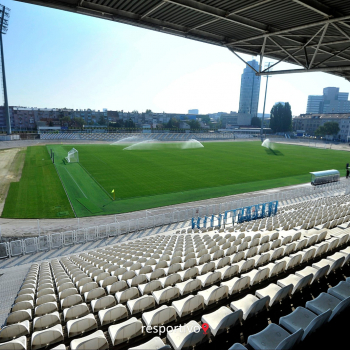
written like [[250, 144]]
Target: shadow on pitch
[[273, 152]]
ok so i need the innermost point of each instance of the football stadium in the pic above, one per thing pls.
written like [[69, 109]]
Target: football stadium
[[191, 240]]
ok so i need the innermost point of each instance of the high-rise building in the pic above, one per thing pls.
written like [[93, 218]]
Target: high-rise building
[[193, 111], [332, 101], [250, 90]]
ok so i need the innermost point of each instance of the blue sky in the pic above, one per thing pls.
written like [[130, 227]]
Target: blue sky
[[61, 59]]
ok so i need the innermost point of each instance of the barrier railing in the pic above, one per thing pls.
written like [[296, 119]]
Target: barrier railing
[[213, 215]]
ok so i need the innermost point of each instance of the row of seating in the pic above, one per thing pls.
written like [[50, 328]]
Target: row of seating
[[302, 322], [66, 277]]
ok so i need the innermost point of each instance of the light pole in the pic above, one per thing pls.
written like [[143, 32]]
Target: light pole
[[4, 18], [267, 65]]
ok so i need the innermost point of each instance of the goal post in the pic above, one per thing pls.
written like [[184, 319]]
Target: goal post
[[73, 156]]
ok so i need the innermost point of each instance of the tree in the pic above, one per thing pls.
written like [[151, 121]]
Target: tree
[[65, 120], [256, 121], [205, 119], [78, 121], [328, 128], [173, 123], [148, 111], [101, 120], [194, 124], [281, 118], [129, 124]]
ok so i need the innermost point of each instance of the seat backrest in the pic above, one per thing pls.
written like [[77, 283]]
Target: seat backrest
[[241, 283], [257, 306], [291, 341], [343, 305], [76, 311], [321, 272], [303, 282], [237, 257], [281, 294], [316, 323]]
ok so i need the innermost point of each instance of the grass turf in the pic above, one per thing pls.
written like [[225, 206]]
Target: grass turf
[[144, 179], [166, 175], [39, 193]]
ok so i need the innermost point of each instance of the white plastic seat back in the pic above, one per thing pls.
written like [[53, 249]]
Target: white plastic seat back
[[46, 321], [125, 331], [75, 311], [46, 337], [15, 344], [96, 341], [14, 331], [81, 325], [112, 314]]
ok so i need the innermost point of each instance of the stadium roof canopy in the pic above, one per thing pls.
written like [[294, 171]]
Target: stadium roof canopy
[[314, 34]]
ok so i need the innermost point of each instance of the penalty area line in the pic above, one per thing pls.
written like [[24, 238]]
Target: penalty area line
[[75, 182]]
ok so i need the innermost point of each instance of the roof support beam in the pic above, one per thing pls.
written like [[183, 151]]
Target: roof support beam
[[243, 60], [285, 51], [340, 30], [334, 55], [217, 13], [315, 6], [249, 7], [262, 54], [289, 71], [153, 9], [318, 45], [293, 29]]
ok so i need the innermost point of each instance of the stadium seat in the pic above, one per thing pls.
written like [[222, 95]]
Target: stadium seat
[[155, 344], [17, 344], [274, 337], [317, 273], [81, 325], [159, 316], [236, 284], [46, 321], [46, 308], [275, 293], [214, 294], [166, 294], [14, 331], [116, 287], [188, 305], [326, 302], [125, 331], [103, 303], [186, 337], [140, 304], [19, 316], [298, 283], [112, 314], [250, 305], [302, 318], [75, 311], [222, 319], [41, 339], [340, 291], [96, 341], [188, 286]]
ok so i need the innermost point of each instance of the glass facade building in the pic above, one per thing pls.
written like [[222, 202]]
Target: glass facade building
[[250, 90]]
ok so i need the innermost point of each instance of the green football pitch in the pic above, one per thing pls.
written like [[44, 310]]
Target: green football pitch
[[144, 179]]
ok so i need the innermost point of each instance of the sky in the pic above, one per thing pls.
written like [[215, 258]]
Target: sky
[[59, 59]]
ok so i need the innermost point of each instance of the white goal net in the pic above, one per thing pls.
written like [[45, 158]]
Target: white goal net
[[73, 156]]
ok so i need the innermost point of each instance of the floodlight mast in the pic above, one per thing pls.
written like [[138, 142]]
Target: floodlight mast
[[267, 68], [5, 15]]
